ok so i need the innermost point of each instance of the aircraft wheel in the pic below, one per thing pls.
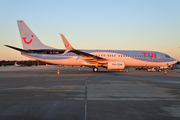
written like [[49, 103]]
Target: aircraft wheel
[[95, 69]]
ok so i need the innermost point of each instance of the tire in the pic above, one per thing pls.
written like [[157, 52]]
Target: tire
[[95, 69]]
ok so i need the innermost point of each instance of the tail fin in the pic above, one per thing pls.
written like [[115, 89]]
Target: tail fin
[[28, 38]]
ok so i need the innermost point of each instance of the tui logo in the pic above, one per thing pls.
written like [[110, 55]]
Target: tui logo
[[150, 55], [24, 38]]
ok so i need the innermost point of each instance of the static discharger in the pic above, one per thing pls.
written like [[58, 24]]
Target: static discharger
[[165, 73], [58, 72]]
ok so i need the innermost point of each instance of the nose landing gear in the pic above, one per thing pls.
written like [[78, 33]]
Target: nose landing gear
[[95, 69]]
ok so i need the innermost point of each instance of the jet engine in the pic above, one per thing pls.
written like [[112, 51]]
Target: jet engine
[[115, 65]]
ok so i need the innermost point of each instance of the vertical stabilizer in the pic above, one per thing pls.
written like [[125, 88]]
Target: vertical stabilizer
[[28, 38]]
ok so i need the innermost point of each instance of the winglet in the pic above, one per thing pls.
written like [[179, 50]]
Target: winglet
[[66, 44]]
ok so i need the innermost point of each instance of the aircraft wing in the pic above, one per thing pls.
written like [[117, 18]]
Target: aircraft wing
[[88, 57]]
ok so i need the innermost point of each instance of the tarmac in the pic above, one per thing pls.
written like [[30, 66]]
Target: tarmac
[[39, 93]]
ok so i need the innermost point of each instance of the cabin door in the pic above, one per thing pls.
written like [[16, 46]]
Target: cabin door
[[159, 57]]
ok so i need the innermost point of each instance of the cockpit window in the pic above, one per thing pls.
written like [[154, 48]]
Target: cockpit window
[[167, 56]]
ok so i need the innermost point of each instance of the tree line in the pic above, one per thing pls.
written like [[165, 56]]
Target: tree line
[[22, 62]]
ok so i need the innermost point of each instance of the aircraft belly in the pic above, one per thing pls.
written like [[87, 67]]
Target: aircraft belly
[[65, 60], [130, 62], [68, 61]]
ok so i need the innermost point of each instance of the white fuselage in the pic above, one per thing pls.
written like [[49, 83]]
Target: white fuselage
[[131, 59]]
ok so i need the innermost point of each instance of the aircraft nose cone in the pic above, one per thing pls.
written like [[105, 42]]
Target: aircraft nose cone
[[175, 61]]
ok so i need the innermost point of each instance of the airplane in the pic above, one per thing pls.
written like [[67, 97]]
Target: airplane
[[108, 59], [16, 65]]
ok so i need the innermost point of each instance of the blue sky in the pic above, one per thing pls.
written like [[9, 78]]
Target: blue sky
[[94, 24]]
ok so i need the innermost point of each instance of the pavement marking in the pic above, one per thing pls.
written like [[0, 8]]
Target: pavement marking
[[81, 89], [174, 72], [86, 99]]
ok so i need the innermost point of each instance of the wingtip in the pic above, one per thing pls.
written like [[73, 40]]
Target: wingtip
[[61, 34], [20, 20]]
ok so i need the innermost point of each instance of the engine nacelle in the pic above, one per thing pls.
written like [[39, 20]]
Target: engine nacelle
[[164, 67], [115, 65]]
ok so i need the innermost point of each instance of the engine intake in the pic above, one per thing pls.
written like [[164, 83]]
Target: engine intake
[[115, 65]]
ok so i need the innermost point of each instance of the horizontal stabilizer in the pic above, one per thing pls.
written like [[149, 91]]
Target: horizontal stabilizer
[[18, 49]]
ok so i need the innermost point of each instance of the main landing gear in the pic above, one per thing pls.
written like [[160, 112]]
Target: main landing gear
[[95, 69], [158, 70]]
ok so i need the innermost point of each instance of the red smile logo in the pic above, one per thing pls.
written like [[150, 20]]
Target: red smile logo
[[66, 45], [24, 38]]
